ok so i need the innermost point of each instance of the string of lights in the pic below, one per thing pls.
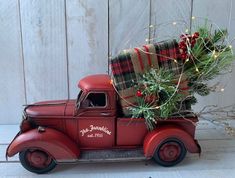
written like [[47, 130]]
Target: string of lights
[[213, 54]]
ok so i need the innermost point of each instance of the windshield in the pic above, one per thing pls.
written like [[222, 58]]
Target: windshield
[[79, 98]]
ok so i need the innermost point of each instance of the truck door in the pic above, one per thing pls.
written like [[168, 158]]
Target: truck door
[[96, 121]]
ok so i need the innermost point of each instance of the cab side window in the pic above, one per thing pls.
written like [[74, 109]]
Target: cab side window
[[95, 100]]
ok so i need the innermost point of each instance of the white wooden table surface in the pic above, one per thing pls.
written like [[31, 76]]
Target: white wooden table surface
[[217, 160]]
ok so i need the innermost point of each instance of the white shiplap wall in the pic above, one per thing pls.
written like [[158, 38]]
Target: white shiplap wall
[[221, 12], [12, 85], [48, 45], [44, 49], [87, 39]]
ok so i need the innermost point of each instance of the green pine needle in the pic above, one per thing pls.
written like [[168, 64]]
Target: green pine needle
[[210, 58]]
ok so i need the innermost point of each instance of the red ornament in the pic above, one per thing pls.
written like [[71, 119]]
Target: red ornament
[[182, 45], [183, 56], [139, 93], [196, 35], [186, 41]]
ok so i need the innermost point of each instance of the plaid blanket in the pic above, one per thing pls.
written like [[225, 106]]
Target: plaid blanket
[[130, 63]]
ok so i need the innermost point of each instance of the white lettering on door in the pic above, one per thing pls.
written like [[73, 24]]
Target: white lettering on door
[[92, 128]]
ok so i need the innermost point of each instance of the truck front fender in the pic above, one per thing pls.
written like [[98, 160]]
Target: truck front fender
[[156, 137], [54, 142]]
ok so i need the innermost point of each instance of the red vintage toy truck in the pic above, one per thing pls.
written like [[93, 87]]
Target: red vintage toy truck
[[91, 128]]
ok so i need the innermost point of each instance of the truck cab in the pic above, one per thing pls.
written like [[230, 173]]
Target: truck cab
[[92, 128], [95, 112]]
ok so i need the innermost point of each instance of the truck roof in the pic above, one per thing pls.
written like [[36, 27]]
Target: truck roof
[[96, 82]]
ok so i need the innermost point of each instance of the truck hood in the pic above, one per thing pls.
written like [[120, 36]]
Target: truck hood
[[51, 108]]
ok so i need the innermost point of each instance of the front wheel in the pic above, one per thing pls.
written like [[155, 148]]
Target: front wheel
[[36, 161], [170, 152]]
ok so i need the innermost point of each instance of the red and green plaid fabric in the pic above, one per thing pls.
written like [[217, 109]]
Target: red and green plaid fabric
[[129, 64], [123, 71], [167, 52], [124, 66]]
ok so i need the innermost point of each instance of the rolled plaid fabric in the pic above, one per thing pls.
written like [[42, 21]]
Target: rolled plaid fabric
[[168, 53], [125, 69], [130, 63], [127, 65]]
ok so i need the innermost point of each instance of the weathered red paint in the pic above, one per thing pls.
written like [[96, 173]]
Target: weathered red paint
[[57, 144], [69, 129], [154, 138], [51, 108], [96, 82], [47, 108], [130, 131]]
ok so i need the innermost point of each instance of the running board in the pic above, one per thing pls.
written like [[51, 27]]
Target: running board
[[109, 156]]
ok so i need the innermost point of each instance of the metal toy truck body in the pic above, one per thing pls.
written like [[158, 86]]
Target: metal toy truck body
[[91, 128]]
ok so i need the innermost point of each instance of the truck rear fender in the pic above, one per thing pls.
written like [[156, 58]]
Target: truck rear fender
[[156, 137], [54, 142]]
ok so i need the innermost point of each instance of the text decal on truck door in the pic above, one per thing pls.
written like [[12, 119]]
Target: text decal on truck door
[[95, 128]]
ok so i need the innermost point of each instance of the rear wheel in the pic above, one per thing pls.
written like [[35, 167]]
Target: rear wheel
[[36, 161], [170, 152]]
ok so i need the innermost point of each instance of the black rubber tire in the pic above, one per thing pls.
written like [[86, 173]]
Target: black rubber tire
[[181, 156], [25, 163]]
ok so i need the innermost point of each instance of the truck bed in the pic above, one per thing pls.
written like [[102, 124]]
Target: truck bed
[[132, 131]]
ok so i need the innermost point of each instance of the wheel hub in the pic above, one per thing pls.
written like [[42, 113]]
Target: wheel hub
[[38, 159], [169, 152]]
